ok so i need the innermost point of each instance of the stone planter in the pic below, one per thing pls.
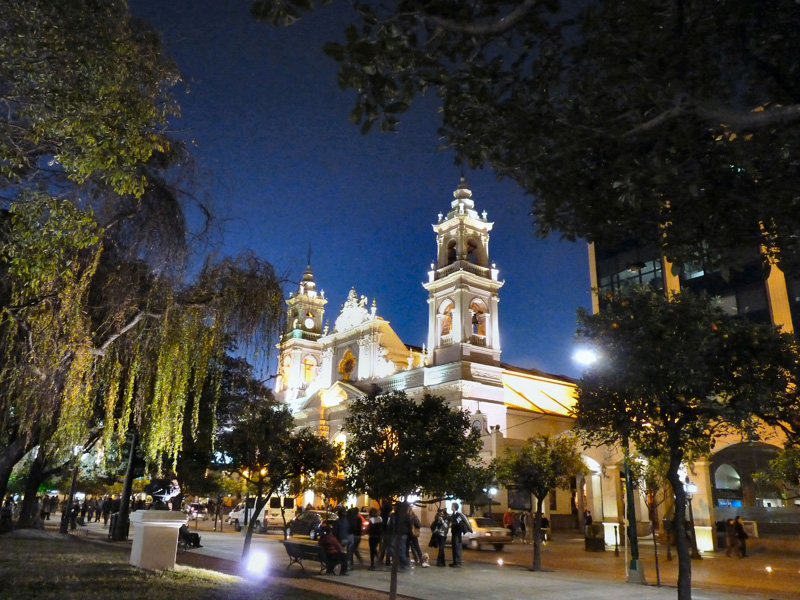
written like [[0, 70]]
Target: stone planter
[[595, 544], [155, 538]]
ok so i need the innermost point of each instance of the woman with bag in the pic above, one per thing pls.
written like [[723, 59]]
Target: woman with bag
[[439, 535], [413, 539]]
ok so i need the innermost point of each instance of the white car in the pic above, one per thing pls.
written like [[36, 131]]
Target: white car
[[270, 517], [485, 532]]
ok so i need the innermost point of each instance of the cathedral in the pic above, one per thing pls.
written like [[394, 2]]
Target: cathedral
[[321, 368]]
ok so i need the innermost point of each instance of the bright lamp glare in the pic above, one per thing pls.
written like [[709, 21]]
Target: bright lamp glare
[[585, 356], [257, 563]]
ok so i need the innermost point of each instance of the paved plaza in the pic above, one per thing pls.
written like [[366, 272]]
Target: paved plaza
[[570, 573]]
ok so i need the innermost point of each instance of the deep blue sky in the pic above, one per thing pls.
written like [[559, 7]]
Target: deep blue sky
[[285, 170]]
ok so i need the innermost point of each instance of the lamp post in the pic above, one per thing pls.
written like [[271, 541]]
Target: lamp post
[[690, 490], [635, 567], [490, 493], [64, 526]]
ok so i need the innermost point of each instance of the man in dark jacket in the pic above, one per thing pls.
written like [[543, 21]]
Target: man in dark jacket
[[459, 525], [741, 535]]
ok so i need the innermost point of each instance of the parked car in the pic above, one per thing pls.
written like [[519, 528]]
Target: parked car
[[270, 517], [196, 511], [308, 523], [486, 532]]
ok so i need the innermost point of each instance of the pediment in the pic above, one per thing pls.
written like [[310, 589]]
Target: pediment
[[337, 394]]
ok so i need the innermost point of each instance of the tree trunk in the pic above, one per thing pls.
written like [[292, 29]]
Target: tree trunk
[[10, 456], [681, 541], [36, 475], [121, 523], [537, 535], [259, 505]]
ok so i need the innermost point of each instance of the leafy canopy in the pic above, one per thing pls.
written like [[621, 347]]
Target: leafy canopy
[[85, 92], [673, 122], [675, 373], [398, 446]]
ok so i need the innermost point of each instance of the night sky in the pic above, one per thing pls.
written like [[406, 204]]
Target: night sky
[[285, 170]]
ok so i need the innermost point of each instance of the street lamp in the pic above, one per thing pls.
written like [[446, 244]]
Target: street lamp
[[64, 527], [691, 489], [585, 356]]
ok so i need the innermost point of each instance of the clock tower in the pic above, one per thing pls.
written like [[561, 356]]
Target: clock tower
[[462, 287], [300, 349]]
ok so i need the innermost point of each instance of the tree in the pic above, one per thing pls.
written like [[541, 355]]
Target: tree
[[86, 93], [543, 464], [673, 122], [331, 487], [675, 374], [783, 474], [472, 484], [397, 446], [262, 448], [650, 477]]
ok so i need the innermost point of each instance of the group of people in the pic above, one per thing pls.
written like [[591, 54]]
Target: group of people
[[735, 537], [93, 508], [393, 535], [519, 525]]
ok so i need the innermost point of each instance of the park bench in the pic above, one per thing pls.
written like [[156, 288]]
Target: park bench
[[300, 551]]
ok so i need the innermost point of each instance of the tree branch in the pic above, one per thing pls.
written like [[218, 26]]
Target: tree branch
[[101, 351], [501, 26], [718, 115]]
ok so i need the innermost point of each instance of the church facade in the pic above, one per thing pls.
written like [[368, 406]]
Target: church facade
[[322, 368]]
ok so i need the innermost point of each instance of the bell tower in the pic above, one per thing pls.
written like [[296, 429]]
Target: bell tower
[[300, 350], [462, 287]]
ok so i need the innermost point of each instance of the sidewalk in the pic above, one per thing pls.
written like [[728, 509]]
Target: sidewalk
[[570, 572]]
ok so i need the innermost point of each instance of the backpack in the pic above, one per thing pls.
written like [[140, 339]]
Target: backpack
[[458, 526]]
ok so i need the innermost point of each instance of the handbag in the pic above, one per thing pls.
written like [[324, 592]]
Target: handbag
[[434, 543], [415, 531]]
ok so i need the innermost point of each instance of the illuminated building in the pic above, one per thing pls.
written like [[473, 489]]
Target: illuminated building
[[322, 368], [725, 483]]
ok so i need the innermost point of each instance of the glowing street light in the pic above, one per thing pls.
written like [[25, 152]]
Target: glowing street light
[[585, 356]]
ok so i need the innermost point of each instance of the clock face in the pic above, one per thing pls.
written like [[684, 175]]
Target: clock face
[[477, 426], [309, 323]]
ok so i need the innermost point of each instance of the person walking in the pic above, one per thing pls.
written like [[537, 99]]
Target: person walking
[[439, 536], [106, 508], [741, 536], [412, 544], [356, 524], [341, 529], [508, 523], [375, 533], [459, 525], [731, 541], [398, 526]]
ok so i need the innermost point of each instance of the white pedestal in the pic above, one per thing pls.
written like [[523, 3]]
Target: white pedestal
[[155, 538]]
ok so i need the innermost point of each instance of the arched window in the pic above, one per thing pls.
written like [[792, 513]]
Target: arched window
[[287, 366], [726, 478], [478, 310], [309, 365], [472, 247], [446, 317], [451, 252]]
